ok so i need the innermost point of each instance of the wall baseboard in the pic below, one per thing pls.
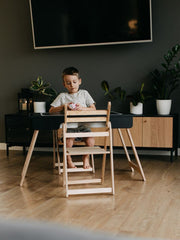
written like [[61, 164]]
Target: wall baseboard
[[19, 148], [116, 151], [3, 147]]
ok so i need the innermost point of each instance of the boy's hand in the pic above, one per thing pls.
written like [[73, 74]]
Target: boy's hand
[[78, 107], [72, 106], [75, 106]]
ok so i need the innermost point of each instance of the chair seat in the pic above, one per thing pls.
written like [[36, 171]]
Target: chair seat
[[87, 134], [86, 150]]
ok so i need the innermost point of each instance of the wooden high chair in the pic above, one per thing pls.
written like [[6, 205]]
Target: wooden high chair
[[95, 116]]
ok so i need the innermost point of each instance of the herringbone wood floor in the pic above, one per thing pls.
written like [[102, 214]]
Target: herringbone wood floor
[[149, 209]]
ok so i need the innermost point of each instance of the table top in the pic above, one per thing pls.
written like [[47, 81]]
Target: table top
[[46, 121]]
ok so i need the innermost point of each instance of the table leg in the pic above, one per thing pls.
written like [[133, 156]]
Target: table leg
[[28, 157], [171, 156], [138, 167], [7, 149], [125, 148]]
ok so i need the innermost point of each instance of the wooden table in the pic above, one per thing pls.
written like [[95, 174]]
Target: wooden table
[[52, 122]]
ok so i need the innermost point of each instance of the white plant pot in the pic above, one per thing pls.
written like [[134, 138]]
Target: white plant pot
[[163, 106], [39, 107], [138, 109]]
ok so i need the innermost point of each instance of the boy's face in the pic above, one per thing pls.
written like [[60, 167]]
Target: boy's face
[[71, 83]]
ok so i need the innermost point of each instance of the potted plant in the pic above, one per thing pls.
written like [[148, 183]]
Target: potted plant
[[166, 81], [137, 100], [42, 93], [113, 94]]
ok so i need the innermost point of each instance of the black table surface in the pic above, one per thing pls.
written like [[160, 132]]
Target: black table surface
[[46, 121]]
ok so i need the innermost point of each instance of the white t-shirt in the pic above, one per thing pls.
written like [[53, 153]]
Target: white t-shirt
[[82, 97]]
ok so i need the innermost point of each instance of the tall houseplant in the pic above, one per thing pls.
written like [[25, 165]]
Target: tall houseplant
[[166, 81], [42, 94]]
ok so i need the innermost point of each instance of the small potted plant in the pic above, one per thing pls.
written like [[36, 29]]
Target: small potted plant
[[117, 93], [42, 94], [166, 81], [137, 100]]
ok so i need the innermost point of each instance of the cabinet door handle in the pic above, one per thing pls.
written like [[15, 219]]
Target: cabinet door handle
[[27, 129]]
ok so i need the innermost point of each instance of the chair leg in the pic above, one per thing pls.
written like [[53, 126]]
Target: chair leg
[[65, 173], [92, 162], [103, 168], [104, 161], [111, 161], [54, 148], [56, 151], [58, 157]]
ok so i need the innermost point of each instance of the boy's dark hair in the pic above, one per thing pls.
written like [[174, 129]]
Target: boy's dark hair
[[70, 71]]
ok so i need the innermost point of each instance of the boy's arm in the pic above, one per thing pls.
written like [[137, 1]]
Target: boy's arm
[[92, 107], [60, 108], [78, 108], [56, 109]]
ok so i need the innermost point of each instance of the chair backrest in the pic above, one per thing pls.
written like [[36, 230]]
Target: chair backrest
[[95, 116]]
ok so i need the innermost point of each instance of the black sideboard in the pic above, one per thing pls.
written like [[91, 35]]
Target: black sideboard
[[18, 132]]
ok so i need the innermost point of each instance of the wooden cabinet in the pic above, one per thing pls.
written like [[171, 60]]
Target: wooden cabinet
[[152, 132], [157, 132]]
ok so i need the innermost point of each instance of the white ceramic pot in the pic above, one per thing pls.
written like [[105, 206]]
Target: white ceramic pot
[[138, 109], [39, 107], [163, 106]]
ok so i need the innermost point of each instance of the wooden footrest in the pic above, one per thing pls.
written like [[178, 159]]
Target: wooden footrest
[[76, 164], [89, 191], [78, 169], [85, 181], [86, 150]]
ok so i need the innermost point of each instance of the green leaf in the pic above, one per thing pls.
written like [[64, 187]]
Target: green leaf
[[41, 87], [105, 86], [164, 65], [142, 86], [177, 47]]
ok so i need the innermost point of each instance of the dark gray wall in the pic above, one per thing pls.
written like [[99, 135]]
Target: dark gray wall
[[122, 65]]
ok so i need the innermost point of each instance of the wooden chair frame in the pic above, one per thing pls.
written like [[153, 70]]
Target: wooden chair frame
[[88, 117], [57, 162]]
